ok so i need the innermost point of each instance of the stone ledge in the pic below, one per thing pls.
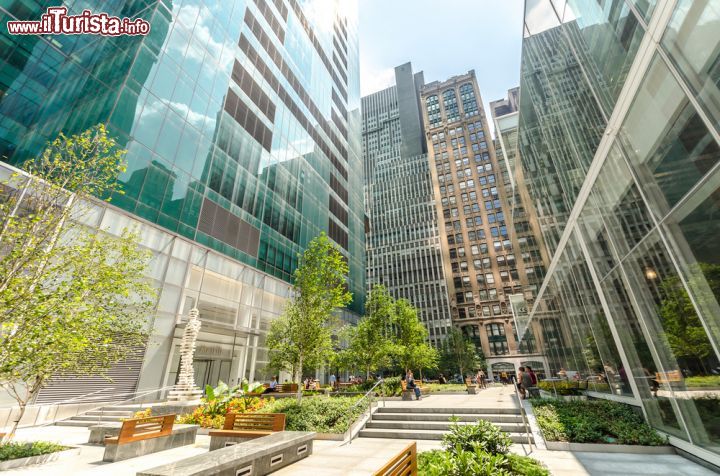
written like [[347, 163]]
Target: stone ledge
[[120, 452], [39, 459], [99, 432], [606, 448]]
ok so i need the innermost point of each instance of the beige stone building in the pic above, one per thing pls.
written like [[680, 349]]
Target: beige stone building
[[484, 263]]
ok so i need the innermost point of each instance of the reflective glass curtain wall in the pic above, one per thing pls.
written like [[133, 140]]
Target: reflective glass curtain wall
[[619, 146]]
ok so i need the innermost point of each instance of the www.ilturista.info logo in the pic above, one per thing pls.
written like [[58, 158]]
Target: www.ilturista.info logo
[[57, 22]]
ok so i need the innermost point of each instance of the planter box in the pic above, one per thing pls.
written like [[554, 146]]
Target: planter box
[[609, 448], [39, 459]]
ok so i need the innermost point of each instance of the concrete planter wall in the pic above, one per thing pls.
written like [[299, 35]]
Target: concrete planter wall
[[22, 462], [604, 448]]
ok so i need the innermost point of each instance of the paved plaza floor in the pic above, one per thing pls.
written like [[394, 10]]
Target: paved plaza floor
[[364, 455]]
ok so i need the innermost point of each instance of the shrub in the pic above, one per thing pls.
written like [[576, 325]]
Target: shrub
[[564, 387], [707, 407], [212, 415], [477, 449], [15, 450], [477, 463], [447, 387], [321, 414], [481, 435], [147, 413], [595, 421]]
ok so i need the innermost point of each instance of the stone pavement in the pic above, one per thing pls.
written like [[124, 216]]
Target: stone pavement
[[363, 455]]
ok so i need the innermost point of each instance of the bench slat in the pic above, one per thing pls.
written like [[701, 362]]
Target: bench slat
[[136, 429], [403, 464]]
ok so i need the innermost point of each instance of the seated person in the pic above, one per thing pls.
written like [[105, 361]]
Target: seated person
[[411, 385], [273, 385]]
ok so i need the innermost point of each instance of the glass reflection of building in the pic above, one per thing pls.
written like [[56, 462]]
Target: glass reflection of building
[[619, 146], [241, 120]]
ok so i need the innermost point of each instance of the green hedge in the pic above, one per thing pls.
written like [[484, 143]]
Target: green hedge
[[17, 450], [593, 421], [321, 414]]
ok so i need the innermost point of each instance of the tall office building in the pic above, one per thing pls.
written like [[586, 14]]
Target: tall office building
[[481, 256], [242, 124], [403, 243], [619, 143]]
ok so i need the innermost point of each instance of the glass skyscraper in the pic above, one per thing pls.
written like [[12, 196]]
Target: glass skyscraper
[[241, 119], [619, 142]]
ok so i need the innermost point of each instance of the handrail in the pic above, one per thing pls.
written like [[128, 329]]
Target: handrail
[[523, 413], [372, 389]]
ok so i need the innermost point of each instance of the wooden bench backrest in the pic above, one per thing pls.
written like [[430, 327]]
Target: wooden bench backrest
[[671, 376], [136, 429], [403, 385], [255, 421], [288, 387], [403, 464]]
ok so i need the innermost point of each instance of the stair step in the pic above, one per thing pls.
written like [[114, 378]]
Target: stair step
[[434, 425], [98, 418], [464, 411], [86, 424], [120, 413], [422, 434], [444, 417]]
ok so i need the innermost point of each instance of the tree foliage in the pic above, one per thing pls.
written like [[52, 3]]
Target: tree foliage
[[73, 300], [302, 336], [411, 348], [370, 346], [459, 355]]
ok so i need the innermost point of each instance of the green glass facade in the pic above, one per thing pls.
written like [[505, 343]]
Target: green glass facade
[[619, 141], [240, 118]]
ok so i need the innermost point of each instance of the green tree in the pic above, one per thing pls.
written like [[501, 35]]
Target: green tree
[[684, 331], [302, 336], [458, 354], [411, 349], [73, 300], [370, 345]]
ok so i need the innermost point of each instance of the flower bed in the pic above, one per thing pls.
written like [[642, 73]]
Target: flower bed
[[212, 415], [480, 449], [594, 421], [446, 387], [15, 450], [319, 414], [705, 381]]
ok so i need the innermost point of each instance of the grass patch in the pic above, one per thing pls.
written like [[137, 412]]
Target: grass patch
[[321, 414], [15, 450], [705, 381], [594, 421]]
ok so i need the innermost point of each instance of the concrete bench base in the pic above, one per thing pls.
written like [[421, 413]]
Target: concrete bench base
[[179, 437], [472, 390], [217, 442], [256, 457], [99, 432], [408, 395]]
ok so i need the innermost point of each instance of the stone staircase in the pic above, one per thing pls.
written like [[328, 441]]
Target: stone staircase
[[422, 423], [101, 415]]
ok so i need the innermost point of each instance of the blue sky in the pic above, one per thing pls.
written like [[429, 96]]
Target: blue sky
[[442, 38]]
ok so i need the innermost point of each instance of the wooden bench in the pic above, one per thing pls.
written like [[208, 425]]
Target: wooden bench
[[141, 436], [669, 377], [403, 464], [287, 388], [471, 387], [239, 427]]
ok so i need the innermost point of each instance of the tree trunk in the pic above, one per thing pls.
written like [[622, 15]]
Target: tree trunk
[[22, 404], [298, 379]]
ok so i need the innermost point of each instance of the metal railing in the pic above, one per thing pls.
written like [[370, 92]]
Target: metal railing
[[523, 413], [370, 402]]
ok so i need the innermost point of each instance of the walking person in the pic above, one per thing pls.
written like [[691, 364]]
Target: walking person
[[333, 381], [504, 377], [525, 382], [480, 379], [410, 382]]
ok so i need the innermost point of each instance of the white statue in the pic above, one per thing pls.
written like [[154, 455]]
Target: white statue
[[185, 388]]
